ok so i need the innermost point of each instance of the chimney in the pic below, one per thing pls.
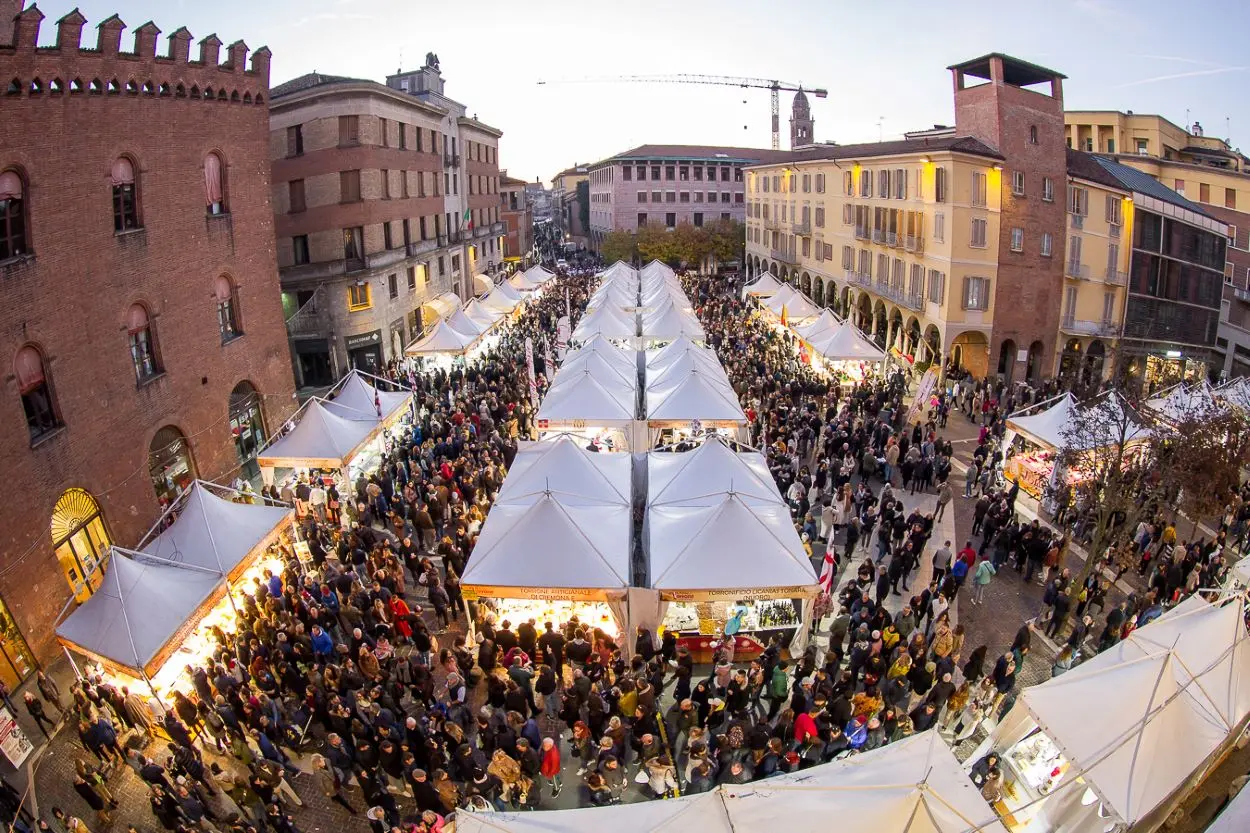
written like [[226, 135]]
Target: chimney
[[110, 41], [210, 51], [26, 27], [236, 60], [145, 40], [180, 45], [260, 64], [1197, 131], [69, 31]]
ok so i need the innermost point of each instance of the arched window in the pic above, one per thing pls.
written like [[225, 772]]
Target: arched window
[[125, 196], [170, 464], [247, 426], [142, 343], [1032, 134], [215, 184], [13, 242], [227, 309], [81, 541], [36, 392]]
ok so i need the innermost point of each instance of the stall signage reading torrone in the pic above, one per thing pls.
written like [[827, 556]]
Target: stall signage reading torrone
[[742, 594], [545, 594]]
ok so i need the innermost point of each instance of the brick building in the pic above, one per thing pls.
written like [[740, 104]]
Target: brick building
[[386, 198], [142, 330]]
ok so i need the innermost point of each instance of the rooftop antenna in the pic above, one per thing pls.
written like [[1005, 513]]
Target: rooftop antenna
[[401, 61], [880, 121]]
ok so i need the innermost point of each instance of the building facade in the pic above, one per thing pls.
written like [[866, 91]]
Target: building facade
[[946, 247], [143, 326], [1203, 169], [385, 196], [667, 185], [518, 220], [570, 201]]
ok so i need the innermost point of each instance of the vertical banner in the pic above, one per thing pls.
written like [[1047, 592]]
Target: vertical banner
[[529, 365], [923, 391], [13, 741], [564, 332], [551, 365], [568, 312]]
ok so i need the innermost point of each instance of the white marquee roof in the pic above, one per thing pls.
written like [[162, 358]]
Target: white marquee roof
[[697, 394], [707, 473], [846, 343], [593, 400], [357, 393], [1056, 425], [766, 285], [482, 315], [562, 465], [444, 338], [610, 321], [322, 437]]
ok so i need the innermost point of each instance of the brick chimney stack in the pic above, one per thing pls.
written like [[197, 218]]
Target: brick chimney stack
[[9, 10]]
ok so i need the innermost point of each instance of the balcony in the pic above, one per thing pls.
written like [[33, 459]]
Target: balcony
[[878, 235], [1078, 221], [499, 228], [1115, 230], [803, 228], [864, 279], [1079, 271], [1242, 295], [861, 233], [1115, 276], [451, 160], [772, 224], [915, 302], [914, 244], [1080, 326], [421, 247], [312, 319], [784, 256], [891, 238]]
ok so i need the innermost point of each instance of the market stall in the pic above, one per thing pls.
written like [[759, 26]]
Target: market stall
[[765, 286], [503, 298], [666, 323], [789, 307], [1184, 403], [844, 354], [439, 307], [1164, 705], [1037, 436], [1235, 393], [483, 316], [723, 553], [690, 403], [443, 344], [600, 408], [609, 321]]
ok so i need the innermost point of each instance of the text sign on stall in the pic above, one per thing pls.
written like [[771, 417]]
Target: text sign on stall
[[743, 594], [13, 741], [473, 592]]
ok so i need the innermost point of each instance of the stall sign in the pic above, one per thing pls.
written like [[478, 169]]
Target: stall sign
[[555, 594], [543, 423], [744, 594], [13, 741]]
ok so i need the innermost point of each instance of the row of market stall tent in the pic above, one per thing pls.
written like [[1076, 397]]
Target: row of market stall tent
[[609, 384], [152, 597], [466, 329], [830, 338]]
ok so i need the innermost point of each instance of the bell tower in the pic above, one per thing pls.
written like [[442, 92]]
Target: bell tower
[[801, 122]]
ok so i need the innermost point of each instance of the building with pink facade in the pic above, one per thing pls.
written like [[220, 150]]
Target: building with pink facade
[[666, 185]]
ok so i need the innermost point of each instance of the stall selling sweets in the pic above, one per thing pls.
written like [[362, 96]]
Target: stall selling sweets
[[690, 402], [592, 405], [788, 307], [838, 350], [765, 286], [158, 607], [1181, 703], [722, 551], [442, 345]]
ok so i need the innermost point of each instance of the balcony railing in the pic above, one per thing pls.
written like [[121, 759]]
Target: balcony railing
[[451, 160], [1080, 326], [891, 238], [1076, 270], [421, 247], [861, 233], [1078, 221], [499, 228], [914, 244], [784, 256], [310, 319], [803, 227], [878, 235], [1242, 295], [1117, 277], [1115, 230], [772, 224], [915, 302]]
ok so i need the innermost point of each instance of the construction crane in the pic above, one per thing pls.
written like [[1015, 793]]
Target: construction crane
[[774, 87]]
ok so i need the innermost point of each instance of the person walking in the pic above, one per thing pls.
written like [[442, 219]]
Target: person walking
[[944, 497], [328, 782], [35, 706], [549, 767], [981, 580]]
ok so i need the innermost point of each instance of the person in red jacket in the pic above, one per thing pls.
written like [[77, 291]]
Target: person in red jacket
[[550, 767], [805, 725]]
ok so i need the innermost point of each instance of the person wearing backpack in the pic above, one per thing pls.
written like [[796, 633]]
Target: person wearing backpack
[[778, 689]]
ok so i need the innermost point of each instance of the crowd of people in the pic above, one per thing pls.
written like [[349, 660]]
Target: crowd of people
[[338, 680]]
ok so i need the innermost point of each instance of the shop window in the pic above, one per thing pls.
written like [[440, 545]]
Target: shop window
[[16, 660], [36, 392], [226, 295], [215, 184], [125, 196], [13, 242], [170, 464], [143, 355], [81, 541], [247, 426]]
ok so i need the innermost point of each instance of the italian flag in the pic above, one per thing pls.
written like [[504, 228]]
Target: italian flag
[[468, 219]]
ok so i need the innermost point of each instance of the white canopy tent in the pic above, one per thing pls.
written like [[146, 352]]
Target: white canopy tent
[[480, 314], [538, 274], [668, 322], [825, 324], [610, 322], [712, 468], [564, 465], [444, 339], [359, 394], [764, 286], [703, 813], [1181, 689], [139, 609], [1183, 403], [796, 307], [502, 298], [1054, 426], [216, 534], [601, 358], [676, 365], [462, 323], [616, 294], [443, 305], [582, 395], [696, 395], [657, 269], [618, 269], [482, 283], [523, 283], [1235, 817], [846, 343], [1236, 393], [325, 437]]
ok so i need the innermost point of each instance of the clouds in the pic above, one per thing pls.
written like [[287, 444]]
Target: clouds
[[332, 17], [1218, 70]]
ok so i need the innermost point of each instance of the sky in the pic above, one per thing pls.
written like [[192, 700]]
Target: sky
[[884, 64]]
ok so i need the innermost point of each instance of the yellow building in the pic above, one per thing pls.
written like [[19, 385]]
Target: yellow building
[[900, 236], [1205, 170]]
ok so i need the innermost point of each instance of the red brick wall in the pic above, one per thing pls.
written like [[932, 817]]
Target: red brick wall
[[1028, 293], [71, 298]]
